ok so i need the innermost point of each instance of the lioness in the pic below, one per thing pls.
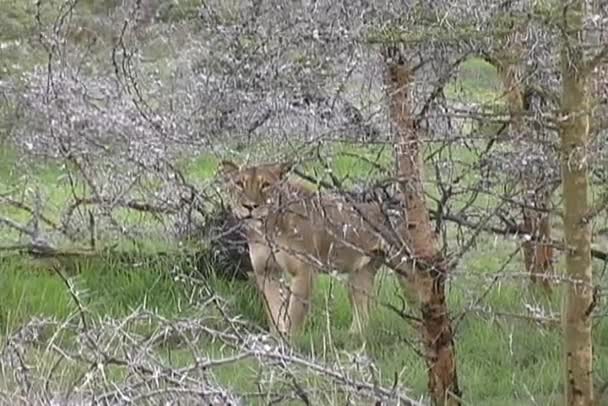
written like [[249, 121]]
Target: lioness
[[293, 229]]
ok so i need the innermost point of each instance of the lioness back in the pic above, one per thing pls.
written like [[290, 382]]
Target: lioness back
[[292, 216]]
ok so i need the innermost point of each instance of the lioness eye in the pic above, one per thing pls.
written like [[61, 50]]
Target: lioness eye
[[239, 183], [265, 184]]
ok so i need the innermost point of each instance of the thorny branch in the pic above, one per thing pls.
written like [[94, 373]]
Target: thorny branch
[[99, 346]]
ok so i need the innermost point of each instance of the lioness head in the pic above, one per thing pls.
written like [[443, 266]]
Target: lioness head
[[252, 188]]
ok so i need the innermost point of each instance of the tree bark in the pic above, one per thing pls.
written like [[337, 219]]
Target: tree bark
[[428, 265], [574, 133], [538, 252]]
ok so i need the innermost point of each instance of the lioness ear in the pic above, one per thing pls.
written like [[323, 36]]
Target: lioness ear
[[227, 168], [284, 168]]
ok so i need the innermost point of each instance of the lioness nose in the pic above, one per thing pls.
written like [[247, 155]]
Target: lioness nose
[[250, 206]]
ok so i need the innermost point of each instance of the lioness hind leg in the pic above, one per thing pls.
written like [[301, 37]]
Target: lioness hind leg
[[410, 285], [360, 290]]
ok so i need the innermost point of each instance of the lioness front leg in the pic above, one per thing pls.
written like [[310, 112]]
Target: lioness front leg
[[275, 305], [267, 278], [299, 299]]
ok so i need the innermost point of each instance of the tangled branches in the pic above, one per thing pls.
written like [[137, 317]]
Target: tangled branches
[[147, 358]]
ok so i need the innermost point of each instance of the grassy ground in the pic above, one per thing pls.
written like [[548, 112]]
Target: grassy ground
[[502, 360]]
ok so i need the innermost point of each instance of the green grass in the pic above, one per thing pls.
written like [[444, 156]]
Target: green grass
[[477, 81], [31, 287], [501, 360]]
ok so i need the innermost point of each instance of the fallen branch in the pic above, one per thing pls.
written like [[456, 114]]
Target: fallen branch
[[22, 206]]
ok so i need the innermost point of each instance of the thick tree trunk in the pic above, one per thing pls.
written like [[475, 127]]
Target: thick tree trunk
[[428, 264], [538, 254], [574, 129]]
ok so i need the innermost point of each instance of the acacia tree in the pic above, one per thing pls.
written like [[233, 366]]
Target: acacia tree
[[559, 57], [575, 138], [428, 265], [509, 58]]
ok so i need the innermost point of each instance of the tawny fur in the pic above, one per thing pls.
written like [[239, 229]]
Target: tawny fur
[[295, 230]]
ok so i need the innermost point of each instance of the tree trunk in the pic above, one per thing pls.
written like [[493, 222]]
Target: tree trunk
[[574, 131], [429, 267], [538, 254]]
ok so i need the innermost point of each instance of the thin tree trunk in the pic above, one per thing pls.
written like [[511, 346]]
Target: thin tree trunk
[[538, 253], [429, 266], [574, 129]]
